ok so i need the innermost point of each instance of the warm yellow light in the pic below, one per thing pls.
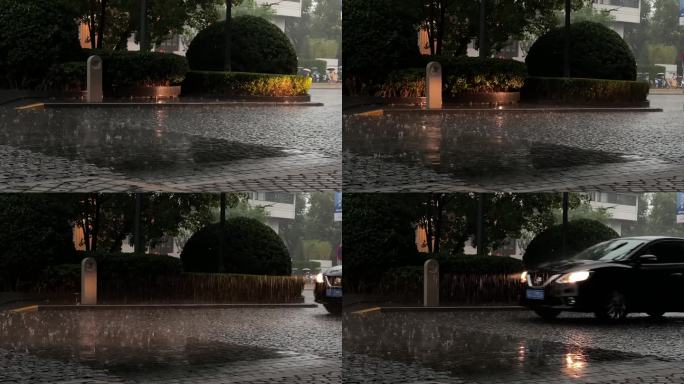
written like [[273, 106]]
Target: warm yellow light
[[574, 277], [523, 277], [319, 278]]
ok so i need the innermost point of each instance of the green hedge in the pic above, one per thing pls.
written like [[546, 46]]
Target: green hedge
[[581, 234], [257, 45], [460, 75], [596, 52], [121, 68], [235, 84], [584, 91], [250, 247], [129, 278]]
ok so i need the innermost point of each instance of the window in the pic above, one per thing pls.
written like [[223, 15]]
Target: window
[[668, 251]]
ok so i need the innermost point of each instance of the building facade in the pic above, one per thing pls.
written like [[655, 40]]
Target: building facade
[[623, 207]]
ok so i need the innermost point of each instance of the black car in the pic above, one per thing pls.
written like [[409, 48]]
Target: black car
[[328, 289], [611, 279]]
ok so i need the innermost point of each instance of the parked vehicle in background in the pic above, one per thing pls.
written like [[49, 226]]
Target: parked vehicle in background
[[611, 279], [328, 289]]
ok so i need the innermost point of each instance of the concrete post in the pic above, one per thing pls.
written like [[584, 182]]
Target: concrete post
[[88, 281], [433, 85], [431, 283], [94, 80]]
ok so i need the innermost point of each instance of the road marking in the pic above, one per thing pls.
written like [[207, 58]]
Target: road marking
[[367, 311], [30, 308]]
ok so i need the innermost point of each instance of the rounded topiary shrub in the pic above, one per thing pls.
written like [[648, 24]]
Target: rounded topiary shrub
[[251, 247], [35, 35], [581, 234], [596, 52], [257, 45]]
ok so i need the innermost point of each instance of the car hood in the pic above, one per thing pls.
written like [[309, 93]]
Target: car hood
[[567, 266], [334, 271]]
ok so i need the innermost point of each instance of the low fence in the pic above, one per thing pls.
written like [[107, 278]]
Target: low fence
[[63, 283], [406, 285]]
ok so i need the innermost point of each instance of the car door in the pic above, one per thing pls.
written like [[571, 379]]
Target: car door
[[662, 280]]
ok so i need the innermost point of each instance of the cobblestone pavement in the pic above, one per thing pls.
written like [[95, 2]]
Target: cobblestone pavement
[[171, 346], [182, 149], [511, 347], [516, 151]]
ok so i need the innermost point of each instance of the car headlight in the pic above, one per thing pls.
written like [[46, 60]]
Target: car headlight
[[523, 277], [573, 277], [319, 278]]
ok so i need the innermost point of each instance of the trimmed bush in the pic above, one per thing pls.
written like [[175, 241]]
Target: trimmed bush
[[235, 84], [581, 234], [461, 75], [584, 91], [70, 76], [35, 35], [251, 247], [134, 68], [257, 45], [596, 52]]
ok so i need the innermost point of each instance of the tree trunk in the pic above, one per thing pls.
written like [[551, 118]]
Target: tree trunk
[[441, 26], [438, 223], [91, 24], [101, 24], [96, 222], [227, 55]]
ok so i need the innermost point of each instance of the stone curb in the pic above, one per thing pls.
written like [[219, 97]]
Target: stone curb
[[488, 308], [388, 111], [38, 106], [60, 307]]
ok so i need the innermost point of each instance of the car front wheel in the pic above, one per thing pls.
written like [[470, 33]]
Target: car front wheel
[[547, 313], [613, 307]]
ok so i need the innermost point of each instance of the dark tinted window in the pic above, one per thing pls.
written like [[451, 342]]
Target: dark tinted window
[[668, 251]]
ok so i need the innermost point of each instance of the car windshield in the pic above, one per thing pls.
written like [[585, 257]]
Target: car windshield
[[616, 249]]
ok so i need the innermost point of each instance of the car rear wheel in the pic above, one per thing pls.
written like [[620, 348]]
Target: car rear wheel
[[613, 307], [656, 314], [547, 313], [334, 309]]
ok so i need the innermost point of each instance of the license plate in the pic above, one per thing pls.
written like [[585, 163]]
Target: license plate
[[535, 294], [333, 292]]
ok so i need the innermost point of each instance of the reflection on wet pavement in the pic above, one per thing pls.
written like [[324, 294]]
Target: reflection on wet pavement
[[161, 345], [98, 139], [469, 354], [510, 347], [494, 150]]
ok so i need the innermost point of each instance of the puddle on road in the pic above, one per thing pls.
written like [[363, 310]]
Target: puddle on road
[[124, 342], [471, 152], [466, 354], [107, 141]]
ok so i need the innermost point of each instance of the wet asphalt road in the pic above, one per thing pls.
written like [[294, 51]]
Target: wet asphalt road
[[516, 151], [171, 346], [511, 347]]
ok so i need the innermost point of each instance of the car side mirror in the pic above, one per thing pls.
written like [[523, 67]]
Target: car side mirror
[[648, 258]]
